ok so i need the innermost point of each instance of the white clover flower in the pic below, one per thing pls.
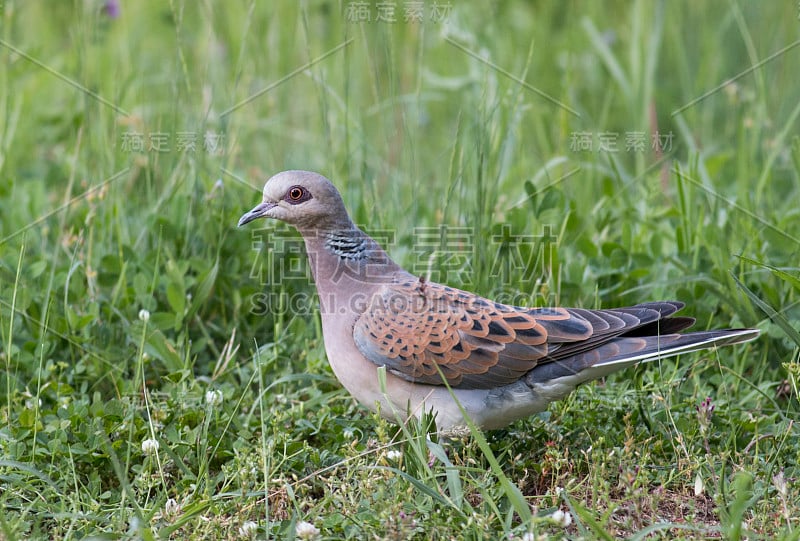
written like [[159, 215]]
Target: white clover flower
[[144, 315], [213, 397], [249, 529], [150, 446], [394, 455], [779, 482], [562, 518], [171, 508], [306, 530]]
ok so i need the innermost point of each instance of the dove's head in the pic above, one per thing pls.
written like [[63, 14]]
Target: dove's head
[[303, 199]]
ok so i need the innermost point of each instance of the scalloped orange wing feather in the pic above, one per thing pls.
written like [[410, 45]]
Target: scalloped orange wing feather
[[417, 329]]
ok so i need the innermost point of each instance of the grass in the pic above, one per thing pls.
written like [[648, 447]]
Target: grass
[[132, 309]]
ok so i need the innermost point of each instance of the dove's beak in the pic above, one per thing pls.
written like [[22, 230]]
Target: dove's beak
[[259, 211]]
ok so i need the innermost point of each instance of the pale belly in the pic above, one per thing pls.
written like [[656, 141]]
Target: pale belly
[[399, 399]]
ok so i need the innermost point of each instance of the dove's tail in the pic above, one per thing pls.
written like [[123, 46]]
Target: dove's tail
[[626, 351]]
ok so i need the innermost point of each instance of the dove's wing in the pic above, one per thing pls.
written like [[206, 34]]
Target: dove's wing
[[417, 330]]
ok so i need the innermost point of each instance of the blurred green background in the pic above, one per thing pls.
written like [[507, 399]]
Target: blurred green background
[[134, 134]]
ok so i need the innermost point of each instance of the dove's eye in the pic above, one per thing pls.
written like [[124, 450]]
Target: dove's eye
[[296, 194]]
